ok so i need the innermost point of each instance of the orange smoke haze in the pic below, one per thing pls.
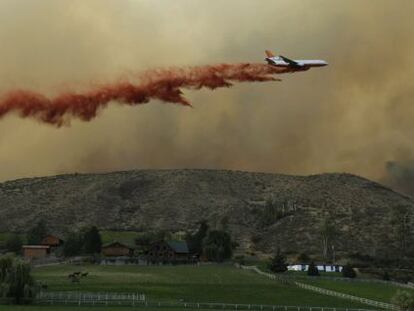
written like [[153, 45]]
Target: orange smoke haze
[[355, 116], [163, 84]]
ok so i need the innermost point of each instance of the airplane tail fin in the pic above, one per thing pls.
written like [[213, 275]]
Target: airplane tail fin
[[269, 53]]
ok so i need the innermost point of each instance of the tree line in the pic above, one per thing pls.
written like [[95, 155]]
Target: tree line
[[211, 244], [278, 264]]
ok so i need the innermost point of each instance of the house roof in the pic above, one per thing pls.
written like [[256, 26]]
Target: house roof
[[178, 246], [51, 236], [316, 264], [36, 246], [116, 243]]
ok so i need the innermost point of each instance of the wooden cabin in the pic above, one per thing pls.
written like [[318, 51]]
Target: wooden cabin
[[35, 251], [117, 249]]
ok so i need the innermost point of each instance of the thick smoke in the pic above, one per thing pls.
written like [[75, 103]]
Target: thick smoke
[[352, 116], [400, 176], [164, 85]]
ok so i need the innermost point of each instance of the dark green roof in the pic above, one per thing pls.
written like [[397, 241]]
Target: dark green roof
[[179, 246]]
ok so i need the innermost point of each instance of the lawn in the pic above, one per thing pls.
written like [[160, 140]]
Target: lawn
[[205, 283], [304, 274], [5, 235], [78, 308], [375, 291], [127, 237]]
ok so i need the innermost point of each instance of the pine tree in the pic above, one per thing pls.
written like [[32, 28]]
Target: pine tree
[[195, 242], [37, 233], [313, 269], [92, 242], [278, 263]]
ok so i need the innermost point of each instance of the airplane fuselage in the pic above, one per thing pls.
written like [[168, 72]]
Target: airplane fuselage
[[305, 63]]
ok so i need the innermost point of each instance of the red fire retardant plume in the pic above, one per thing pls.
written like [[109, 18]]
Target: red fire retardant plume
[[163, 84]]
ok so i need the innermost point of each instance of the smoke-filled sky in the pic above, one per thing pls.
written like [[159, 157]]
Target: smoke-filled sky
[[355, 115]]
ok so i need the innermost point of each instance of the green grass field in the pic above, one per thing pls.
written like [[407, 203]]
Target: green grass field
[[5, 235], [78, 308], [206, 283], [375, 291], [127, 237], [305, 274]]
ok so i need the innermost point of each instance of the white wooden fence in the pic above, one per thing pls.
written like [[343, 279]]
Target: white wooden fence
[[336, 278], [139, 300], [354, 280], [370, 302], [90, 298], [320, 290]]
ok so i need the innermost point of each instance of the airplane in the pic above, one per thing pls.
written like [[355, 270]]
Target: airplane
[[299, 64]]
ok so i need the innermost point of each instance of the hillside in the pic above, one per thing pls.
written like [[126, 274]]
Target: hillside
[[177, 200]]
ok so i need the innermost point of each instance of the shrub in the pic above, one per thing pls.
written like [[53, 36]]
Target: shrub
[[403, 299], [348, 271], [239, 259]]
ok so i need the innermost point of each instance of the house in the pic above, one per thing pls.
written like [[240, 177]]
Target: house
[[168, 252], [117, 249], [35, 251], [321, 267], [51, 241]]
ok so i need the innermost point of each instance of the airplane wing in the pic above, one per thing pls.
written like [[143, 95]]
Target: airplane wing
[[290, 61]]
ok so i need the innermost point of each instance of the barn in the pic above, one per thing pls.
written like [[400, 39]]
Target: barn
[[169, 252]]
